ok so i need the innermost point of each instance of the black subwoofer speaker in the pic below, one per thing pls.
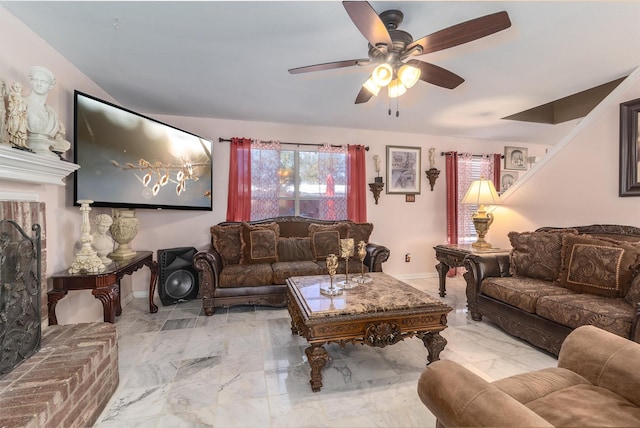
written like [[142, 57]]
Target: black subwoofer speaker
[[177, 279]]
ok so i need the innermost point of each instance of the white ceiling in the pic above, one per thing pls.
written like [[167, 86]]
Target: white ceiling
[[230, 60]]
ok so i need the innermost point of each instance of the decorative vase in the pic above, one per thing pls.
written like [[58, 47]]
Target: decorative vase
[[124, 229], [87, 260]]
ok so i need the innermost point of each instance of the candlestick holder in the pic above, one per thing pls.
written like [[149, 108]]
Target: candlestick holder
[[362, 253], [332, 266], [86, 260], [346, 251]]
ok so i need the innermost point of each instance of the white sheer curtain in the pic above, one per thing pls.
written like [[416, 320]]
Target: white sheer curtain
[[265, 184], [470, 168]]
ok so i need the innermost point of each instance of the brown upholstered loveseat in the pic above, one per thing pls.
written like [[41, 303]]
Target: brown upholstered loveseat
[[248, 263], [596, 384], [557, 279]]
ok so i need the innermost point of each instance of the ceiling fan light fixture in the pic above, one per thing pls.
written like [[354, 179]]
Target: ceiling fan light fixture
[[409, 75], [382, 75], [371, 86], [396, 89]]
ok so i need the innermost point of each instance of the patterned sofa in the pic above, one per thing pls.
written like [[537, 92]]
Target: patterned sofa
[[557, 279], [248, 263]]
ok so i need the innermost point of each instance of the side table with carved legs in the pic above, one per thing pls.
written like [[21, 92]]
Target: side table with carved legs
[[104, 286]]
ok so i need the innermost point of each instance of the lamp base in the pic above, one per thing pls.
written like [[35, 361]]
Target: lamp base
[[481, 244]]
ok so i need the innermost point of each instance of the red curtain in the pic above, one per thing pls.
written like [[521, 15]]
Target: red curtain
[[497, 162], [357, 185], [451, 170], [239, 198]]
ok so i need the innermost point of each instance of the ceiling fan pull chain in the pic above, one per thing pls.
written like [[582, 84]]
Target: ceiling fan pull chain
[[397, 109], [389, 98]]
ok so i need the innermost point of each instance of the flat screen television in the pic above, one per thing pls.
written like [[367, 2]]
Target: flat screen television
[[128, 160]]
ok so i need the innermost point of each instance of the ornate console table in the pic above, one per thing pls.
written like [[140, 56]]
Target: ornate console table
[[450, 256], [105, 286]]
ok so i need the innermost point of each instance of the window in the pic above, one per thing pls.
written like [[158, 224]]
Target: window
[[298, 181]]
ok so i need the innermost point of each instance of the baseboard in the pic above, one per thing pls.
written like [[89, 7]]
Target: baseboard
[[415, 275], [139, 294]]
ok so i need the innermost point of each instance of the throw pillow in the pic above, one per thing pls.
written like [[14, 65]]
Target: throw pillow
[[226, 241], [360, 232], [259, 243], [295, 250], [599, 266], [325, 238], [537, 254]]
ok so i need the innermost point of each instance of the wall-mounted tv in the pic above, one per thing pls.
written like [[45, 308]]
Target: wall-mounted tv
[[128, 160]]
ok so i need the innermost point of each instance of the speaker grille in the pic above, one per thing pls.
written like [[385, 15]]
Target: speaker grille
[[178, 281]]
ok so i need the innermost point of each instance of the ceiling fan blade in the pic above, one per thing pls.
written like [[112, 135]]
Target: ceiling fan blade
[[330, 65], [436, 75], [363, 96], [463, 33], [368, 22]]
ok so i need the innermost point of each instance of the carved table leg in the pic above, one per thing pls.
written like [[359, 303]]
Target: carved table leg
[[53, 297], [434, 344], [318, 357], [442, 269], [109, 297], [153, 267], [471, 296], [118, 302]]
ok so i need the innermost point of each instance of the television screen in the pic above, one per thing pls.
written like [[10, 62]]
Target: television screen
[[128, 160]]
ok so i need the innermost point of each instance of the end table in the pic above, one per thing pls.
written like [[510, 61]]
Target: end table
[[452, 255], [105, 286]]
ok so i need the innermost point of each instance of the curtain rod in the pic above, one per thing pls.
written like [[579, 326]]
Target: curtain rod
[[228, 140], [475, 156]]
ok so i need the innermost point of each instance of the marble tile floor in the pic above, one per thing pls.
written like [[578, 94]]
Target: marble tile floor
[[242, 367]]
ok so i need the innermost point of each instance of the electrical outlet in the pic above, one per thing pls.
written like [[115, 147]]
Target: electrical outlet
[[407, 257]]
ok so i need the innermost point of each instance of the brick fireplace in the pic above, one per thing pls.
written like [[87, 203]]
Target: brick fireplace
[[70, 379]]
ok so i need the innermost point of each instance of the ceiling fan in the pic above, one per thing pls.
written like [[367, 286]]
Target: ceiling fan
[[395, 50]]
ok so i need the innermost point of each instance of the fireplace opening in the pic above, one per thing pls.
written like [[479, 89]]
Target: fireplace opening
[[20, 294]]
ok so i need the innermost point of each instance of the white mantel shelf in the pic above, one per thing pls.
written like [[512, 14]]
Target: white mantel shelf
[[19, 165]]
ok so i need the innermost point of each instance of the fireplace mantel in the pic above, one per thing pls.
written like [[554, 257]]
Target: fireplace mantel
[[19, 165]]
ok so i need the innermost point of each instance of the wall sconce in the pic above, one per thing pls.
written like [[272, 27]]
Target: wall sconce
[[432, 172], [482, 193], [432, 175], [376, 188]]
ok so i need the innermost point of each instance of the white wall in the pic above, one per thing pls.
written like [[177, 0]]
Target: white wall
[[578, 183], [403, 227]]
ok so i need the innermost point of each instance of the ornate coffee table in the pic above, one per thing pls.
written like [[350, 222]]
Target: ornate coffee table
[[380, 313]]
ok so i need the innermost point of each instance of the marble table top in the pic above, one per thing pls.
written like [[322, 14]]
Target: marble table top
[[384, 294]]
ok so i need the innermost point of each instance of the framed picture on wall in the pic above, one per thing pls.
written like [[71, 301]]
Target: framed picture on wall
[[507, 178], [515, 158], [403, 170], [629, 148]]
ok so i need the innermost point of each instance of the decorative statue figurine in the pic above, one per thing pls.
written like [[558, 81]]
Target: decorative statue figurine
[[17, 118], [102, 243], [4, 136], [45, 132]]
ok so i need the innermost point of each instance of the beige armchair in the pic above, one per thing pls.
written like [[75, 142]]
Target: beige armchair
[[596, 384]]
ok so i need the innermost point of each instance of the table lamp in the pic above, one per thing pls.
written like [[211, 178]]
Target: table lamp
[[482, 193]]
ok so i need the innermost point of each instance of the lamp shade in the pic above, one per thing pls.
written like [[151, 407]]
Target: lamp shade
[[396, 89], [482, 192], [382, 74], [408, 75], [372, 87]]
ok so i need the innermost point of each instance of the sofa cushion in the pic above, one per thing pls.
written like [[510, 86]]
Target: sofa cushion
[[590, 405], [537, 254], [284, 270], [295, 250], [359, 232], [248, 275], [598, 265], [325, 238], [520, 291], [633, 294], [611, 314], [259, 243], [226, 241]]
